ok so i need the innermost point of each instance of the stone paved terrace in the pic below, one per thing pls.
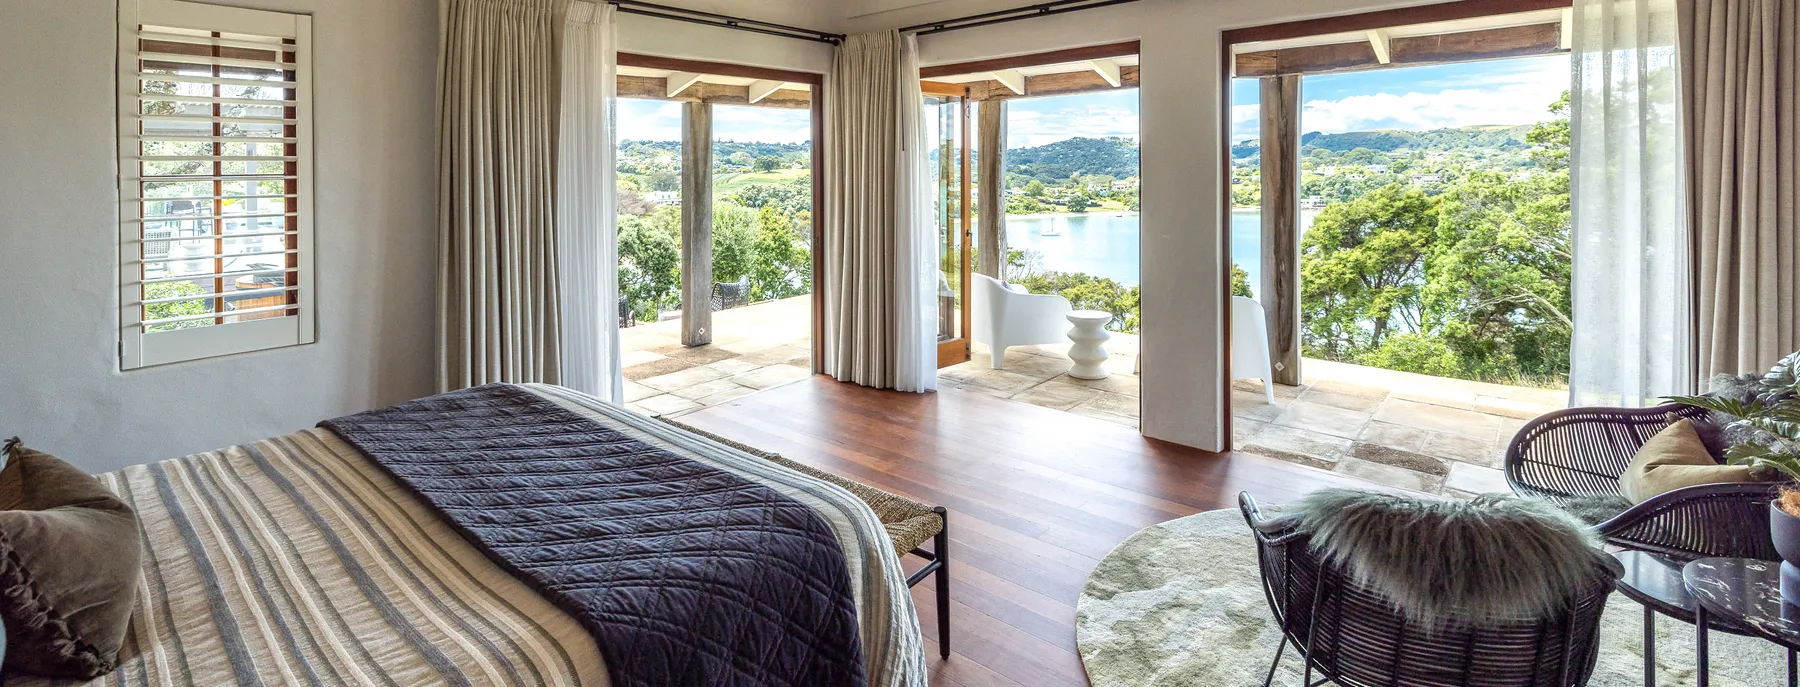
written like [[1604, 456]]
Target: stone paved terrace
[[1397, 429]]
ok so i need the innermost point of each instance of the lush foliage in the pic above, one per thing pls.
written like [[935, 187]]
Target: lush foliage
[[762, 219], [1462, 274], [174, 289]]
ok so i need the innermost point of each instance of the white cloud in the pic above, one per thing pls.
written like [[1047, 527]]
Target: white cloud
[[1505, 96], [1027, 127]]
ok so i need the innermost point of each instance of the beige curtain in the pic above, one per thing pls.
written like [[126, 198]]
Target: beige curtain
[[862, 150], [1739, 65], [990, 237], [498, 298]]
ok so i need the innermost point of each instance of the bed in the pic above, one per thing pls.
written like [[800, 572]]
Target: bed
[[301, 560]]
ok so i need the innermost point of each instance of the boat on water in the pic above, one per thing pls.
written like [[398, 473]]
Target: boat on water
[[1051, 230]]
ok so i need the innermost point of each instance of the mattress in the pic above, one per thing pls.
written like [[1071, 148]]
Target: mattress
[[295, 560]]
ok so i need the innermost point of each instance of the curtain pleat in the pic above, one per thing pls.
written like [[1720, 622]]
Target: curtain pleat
[[586, 219], [498, 296], [1632, 341], [880, 268], [1739, 60]]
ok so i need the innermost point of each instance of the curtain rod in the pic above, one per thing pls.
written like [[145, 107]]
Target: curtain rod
[[1002, 16], [650, 9]]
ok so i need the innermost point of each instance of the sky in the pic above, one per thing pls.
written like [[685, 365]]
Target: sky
[[659, 120], [1515, 91]]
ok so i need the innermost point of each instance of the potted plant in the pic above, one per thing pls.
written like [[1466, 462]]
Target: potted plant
[[1765, 419]]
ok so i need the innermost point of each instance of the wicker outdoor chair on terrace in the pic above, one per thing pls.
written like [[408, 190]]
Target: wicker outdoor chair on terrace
[[1356, 637], [1580, 452]]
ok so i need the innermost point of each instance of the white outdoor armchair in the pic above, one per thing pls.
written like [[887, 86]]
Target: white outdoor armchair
[[1250, 344], [1012, 317]]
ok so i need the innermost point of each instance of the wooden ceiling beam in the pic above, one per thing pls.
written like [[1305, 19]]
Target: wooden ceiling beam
[[657, 88], [1108, 71], [1012, 79], [1055, 84], [1405, 51]]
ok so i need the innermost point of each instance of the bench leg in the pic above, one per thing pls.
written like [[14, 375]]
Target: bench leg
[[941, 547]]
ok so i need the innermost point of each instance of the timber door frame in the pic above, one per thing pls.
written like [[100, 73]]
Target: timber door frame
[[957, 350], [816, 84]]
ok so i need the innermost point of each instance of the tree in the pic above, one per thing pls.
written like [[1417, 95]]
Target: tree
[[1087, 292], [783, 265], [734, 241], [175, 289], [649, 267], [1361, 265], [1034, 188], [1550, 140], [1240, 282], [1079, 202], [767, 163], [630, 203], [740, 158]]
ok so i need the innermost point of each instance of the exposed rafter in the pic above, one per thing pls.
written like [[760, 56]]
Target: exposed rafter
[[1108, 71], [1378, 41], [762, 88], [1012, 79], [1403, 51], [680, 81]]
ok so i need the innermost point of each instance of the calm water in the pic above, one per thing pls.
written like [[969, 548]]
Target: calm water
[[1106, 243]]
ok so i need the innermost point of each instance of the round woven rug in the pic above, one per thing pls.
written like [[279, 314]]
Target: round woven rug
[[1180, 603]]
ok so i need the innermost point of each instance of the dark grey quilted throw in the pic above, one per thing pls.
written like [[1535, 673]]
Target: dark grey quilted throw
[[685, 574]]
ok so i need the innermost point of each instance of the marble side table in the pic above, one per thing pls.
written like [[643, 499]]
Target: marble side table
[[1090, 335], [1746, 593]]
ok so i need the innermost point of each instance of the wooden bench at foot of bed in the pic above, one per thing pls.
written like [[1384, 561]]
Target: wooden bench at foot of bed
[[909, 524]]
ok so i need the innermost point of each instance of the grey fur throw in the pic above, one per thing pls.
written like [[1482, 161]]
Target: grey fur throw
[[1493, 558]]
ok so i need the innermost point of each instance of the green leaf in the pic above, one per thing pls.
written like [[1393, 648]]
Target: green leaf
[[1728, 406]]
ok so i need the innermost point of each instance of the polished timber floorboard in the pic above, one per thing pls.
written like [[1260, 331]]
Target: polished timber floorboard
[[1036, 498]]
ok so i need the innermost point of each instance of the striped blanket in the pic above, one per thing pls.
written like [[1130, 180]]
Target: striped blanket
[[294, 560]]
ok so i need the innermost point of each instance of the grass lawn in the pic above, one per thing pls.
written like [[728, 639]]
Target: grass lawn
[[726, 183]]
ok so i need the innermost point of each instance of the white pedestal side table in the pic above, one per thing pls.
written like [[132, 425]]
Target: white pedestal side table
[[1090, 335]]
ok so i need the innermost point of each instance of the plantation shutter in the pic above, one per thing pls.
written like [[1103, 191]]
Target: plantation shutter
[[215, 181]]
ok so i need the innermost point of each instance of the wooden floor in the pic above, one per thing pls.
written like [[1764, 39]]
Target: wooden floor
[[1036, 498]]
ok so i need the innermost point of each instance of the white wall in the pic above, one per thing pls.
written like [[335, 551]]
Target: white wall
[[687, 40], [60, 386], [1182, 233]]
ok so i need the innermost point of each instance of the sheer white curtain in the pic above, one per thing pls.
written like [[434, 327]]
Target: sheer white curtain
[[1633, 325], [916, 265], [586, 222]]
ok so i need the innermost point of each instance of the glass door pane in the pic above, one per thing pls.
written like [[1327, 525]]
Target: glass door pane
[[945, 124]]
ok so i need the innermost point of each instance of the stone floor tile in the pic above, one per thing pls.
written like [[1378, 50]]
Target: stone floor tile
[[1388, 455], [771, 376], [1389, 475], [1439, 418], [1461, 400], [1116, 404], [1118, 384], [707, 388], [1001, 380], [1345, 401], [1523, 410], [1475, 479], [682, 379], [635, 391], [1036, 366], [1297, 458], [656, 368], [1303, 442], [1398, 436], [632, 358], [1334, 386], [1255, 406], [732, 366], [1323, 418], [1460, 448], [665, 404], [1242, 429], [775, 355], [1057, 395], [727, 395]]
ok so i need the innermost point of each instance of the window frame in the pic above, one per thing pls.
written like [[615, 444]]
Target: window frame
[[297, 324]]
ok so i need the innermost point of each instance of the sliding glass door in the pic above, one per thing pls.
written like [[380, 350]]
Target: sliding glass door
[[947, 128]]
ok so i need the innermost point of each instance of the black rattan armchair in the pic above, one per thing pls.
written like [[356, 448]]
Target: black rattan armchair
[[1356, 637], [1581, 452]]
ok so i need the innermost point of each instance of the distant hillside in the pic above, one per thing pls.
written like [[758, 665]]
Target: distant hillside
[[1490, 137], [721, 149], [1116, 157]]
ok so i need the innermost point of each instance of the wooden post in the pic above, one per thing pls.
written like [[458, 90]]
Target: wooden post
[[696, 224], [990, 239], [1280, 223]]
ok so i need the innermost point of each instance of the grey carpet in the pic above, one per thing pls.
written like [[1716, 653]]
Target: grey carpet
[[1180, 604]]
